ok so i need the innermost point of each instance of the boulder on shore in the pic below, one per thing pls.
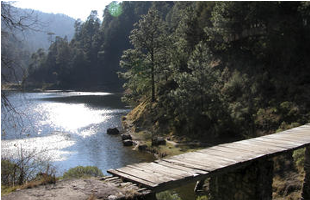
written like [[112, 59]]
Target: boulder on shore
[[158, 141], [127, 142], [112, 131], [126, 136]]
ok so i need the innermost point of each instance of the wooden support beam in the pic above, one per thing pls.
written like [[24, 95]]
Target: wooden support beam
[[306, 185]]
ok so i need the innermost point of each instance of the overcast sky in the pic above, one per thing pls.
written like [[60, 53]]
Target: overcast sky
[[73, 8]]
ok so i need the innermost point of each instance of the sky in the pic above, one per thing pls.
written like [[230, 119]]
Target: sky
[[73, 8]]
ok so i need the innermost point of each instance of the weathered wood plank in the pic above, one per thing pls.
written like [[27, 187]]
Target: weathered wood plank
[[302, 139], [206, 159], [255, 153], [259, 146], [275, 143], [152, 177], [287, 139], [200, 155], [192, 171], [208, 165], [166, 171], [134, 179], [188, 163], [151, 170], [285, 143], [237, 155]]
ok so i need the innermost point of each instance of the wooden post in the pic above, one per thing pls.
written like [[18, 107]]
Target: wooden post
[[306, 185]]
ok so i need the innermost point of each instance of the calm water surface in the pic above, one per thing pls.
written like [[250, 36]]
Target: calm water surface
[[69, 128]]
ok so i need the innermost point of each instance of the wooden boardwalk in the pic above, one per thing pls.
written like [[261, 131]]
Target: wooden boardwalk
[[175, 171]]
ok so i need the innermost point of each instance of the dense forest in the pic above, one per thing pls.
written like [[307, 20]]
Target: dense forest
[[200, 69], [91, 58]]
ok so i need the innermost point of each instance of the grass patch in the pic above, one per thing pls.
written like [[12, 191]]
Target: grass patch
[[83, 172], [8, 189]]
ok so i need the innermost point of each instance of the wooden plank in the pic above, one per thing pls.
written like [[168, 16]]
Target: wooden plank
[[283, 141], [205, 159], [228, 151], [152, 170], [270, 143], [194, 172], [152, 177], [256, 153], [258, 150], [297, 136], [242, 152], [296, 131], [288, 139], [207, 165], [291, 138], [237, 155], [163, 169], [259, 146], [188, 164], [274, 142], [134, 179], [200, 155]]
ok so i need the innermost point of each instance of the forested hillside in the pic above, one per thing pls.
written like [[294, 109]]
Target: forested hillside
[[23, 32], [220, 69], [200, 69], [91, 58]]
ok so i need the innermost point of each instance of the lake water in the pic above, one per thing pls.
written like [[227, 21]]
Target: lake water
[[69, 128]]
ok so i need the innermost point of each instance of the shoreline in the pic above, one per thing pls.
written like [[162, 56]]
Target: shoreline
[[172, 146]]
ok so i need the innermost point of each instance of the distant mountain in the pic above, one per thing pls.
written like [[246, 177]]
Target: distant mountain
[[51, 25]]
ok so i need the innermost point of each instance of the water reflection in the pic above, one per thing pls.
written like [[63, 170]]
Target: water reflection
[[71, 117], [49, 147]]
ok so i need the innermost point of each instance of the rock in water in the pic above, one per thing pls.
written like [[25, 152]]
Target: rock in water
[[112, 131], [126, 136], [127, 142]]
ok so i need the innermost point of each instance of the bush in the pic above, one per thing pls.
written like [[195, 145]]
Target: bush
[[80, 171], [299, 157], [167, 195], [8, 172], [202, 198]]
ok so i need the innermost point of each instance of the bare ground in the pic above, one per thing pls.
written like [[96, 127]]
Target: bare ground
[[75, 189]]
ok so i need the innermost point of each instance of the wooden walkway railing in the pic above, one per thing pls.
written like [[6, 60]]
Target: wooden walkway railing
[[175, 171]]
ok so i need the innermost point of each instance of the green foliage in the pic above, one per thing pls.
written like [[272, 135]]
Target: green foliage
[[82, 172], [167, 195], [229, 74], [8, 172], [202, 198], [299, 157]]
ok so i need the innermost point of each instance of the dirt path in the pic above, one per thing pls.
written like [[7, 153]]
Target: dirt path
[[75, 189]]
